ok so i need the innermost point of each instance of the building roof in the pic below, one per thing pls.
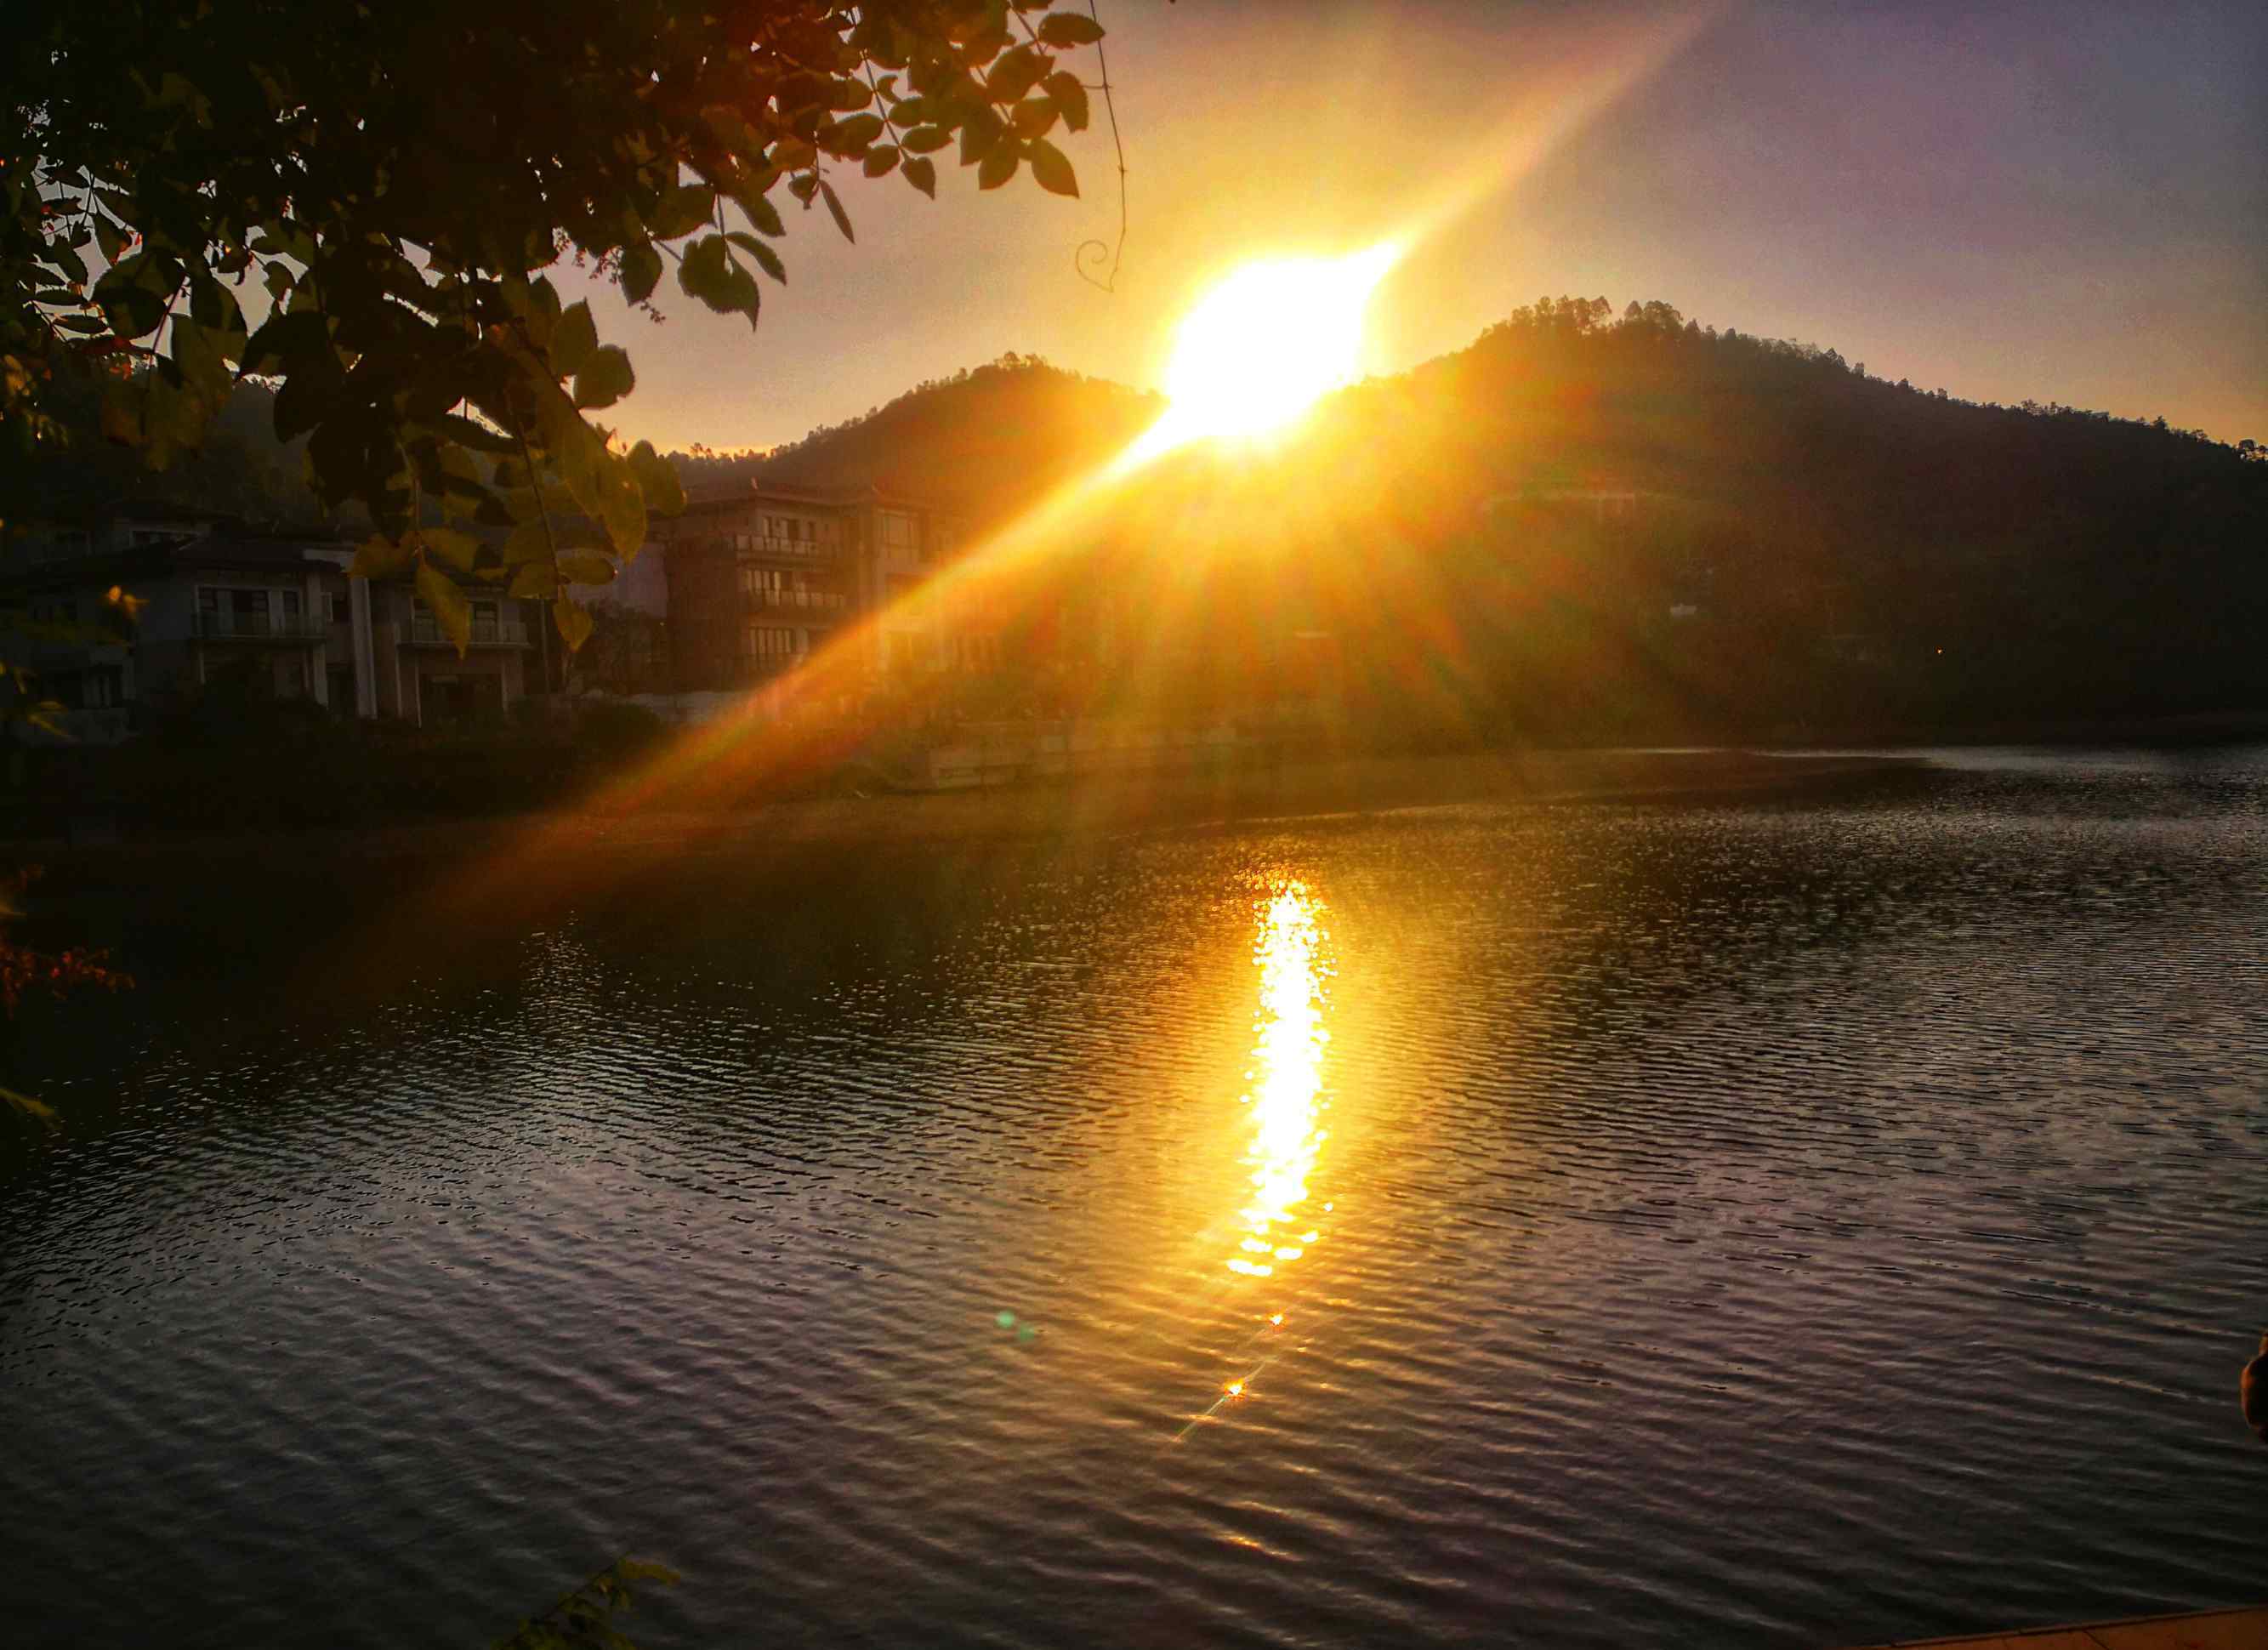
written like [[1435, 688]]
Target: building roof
[[238, 551]]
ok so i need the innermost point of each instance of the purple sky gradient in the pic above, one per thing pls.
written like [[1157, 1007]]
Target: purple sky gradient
[[2066, 201]]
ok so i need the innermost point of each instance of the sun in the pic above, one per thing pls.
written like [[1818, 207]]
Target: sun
[[1266, 343]]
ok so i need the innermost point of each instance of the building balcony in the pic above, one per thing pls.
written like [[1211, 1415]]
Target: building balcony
[[805, 601], [426, 632], [767, 666], [761, 547], [290, 630]]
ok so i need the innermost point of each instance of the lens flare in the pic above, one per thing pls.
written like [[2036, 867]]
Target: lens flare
[[1265, 345]]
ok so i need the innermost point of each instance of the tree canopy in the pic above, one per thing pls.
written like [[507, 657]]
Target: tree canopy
[[359, 202]]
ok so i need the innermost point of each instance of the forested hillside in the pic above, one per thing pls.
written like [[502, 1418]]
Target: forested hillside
[[987, 441]]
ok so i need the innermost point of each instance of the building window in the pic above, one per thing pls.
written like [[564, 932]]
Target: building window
[[341, 610], [228, 612], [766, 642], [897, 530]]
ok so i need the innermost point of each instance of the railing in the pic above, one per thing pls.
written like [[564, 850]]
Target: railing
[[427, 633], [261, 627], [790, 550], [814, 601]]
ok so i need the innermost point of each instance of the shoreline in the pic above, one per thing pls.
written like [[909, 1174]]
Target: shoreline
[[1095, 806]]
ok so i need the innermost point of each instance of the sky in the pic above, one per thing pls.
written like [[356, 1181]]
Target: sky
[[2062, 201]]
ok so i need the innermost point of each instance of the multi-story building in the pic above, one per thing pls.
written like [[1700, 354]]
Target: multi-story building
[[760, 581], [137, 613]]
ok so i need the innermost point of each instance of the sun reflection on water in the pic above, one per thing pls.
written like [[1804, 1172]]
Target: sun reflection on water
[[1287, 1107], [1286, 1093]]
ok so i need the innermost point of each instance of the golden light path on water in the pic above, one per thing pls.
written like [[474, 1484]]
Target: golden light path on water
[[1275, 1224]]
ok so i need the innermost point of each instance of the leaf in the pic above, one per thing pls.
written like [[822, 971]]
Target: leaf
[[1032, 117], [107, 239], [1070, 95], [1068, 28], [681, 211], [585, 567], [530, 543], [44, 1112], [378, 557], [572, 340], [767, 259], [450, 611], [980, 134], [924, 140], [658, 480], [534, 581], [620, 504], [1050, 169], [459, 549], [921, 171], [834, 206], [999, 166], [606, 378], [1013, 73], [641, 271], [470, 433], [574, 621], [851, 135], [762, 212], [709, 274], [881, 161]]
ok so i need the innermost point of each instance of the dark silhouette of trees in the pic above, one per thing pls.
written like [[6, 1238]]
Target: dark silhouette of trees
[[394, 180]]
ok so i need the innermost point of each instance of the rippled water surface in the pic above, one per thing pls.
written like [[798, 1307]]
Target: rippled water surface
[[1793, 1224]]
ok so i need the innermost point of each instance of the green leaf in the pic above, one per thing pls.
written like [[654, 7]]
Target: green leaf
[[534, 581], [834, 206], [472, 433], [658, 480], [762, 212], [572, 340], [881, 161], [709, 274], [606, 378], [681, 211], [530, 543], [1013, 73], [999, 166], [641, 271], [620, 504], [39, 1110], [850, 134], [1034, 116], [378, 557], [458, 549], [921, 171], [924, 140], [450, 611], [574, 621], [107, 238], [585, 567], [767, 259], [1050, 169], [1070, 95], [980, 134], [1068, 28]]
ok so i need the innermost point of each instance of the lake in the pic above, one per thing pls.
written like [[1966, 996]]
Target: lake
[[1806, 1222]]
